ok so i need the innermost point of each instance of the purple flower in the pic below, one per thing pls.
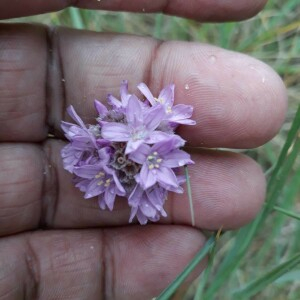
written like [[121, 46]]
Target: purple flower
[[71, 157], [140, 127], [117, 104], [101, 109], [82, 141], [147, 205], [99, 180], [80, 136], [131, 151], [158, 161], [178, 114]]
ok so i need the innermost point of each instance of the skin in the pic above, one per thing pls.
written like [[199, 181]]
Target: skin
[[85, 253]]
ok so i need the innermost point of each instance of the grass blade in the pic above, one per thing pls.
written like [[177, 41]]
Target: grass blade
[[246, 235], [289, 141], [206, 274], [290, 193], [287, 212], [171, 289], [189, 190], [76, 18], [158, 26], [259, 284]]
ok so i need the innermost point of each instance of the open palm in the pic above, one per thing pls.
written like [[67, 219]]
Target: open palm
[[56, 245]]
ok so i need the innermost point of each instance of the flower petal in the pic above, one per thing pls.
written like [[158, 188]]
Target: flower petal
[[134, 112], [167, 94], [83, 184], [167, 145], [82, 143], [111, 100], [87, 171], [153, 116], [118, 186], [101, 109], [65, 126], [133, 146], [167, 187], [185, 122], [140, 154], [146, 92], [103, 143], [93, 189], [176, 158], [135, 196], [156, 196], [157, 136], [109, 197], [147, 177], [180, 114], [141, 217], [124, 93], [133, 214], [147, 208], [166, 176], [101, 202], [71, 157], [72, 113], [115, 132]]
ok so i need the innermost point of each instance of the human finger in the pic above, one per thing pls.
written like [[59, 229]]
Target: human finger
[[238, 101], [203, 10], [228, 190], [122, 263]]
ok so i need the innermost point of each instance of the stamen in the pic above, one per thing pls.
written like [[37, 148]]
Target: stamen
[[169, 109], [100, 182], [99, 175], [151, 167], [107, 182], [159, 100]]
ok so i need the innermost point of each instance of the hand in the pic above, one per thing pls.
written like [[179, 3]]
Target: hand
[[83, 252]]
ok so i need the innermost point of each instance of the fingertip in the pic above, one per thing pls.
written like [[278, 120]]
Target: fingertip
[[162, 252], [239, 102], [216, 11], [228, 190]]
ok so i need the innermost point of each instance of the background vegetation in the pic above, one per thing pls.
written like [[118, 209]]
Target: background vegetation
[[261, 261]]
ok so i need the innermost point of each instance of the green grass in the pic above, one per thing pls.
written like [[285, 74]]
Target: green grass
[[260, 261]]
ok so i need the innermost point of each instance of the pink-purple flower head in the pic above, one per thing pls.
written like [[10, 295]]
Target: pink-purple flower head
[[130, 151], [101, 181], [140, 126], [159, 161], [179, 114]]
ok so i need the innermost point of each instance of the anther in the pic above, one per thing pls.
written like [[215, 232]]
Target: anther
[[99, 175], [107, 182]]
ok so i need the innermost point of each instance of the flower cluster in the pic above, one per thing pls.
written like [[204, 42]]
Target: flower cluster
[[131, 151]]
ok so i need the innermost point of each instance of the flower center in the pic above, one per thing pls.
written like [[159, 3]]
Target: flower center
[[138, 133], [159, 100], [154, 161]]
